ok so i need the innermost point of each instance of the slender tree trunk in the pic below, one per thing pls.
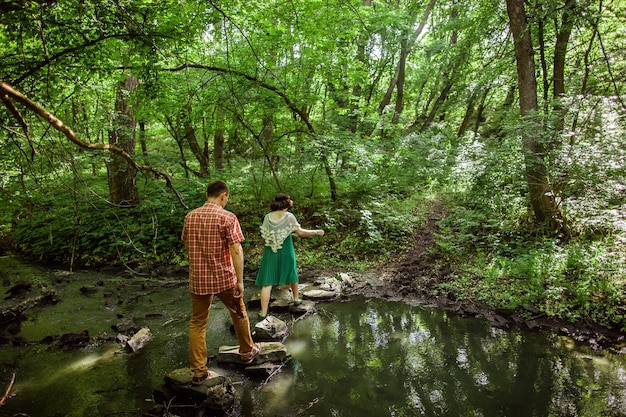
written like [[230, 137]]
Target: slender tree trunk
[[494, 127], [586, 74], [542, 51], [192, 140], [470, 110], [480, 113], [142, 138], [447, 79], [443, 96], [218, 150], [122, 176], [172, 127], [266, 141], [404, 53], [357, 88], [560, 50], [400, 81], [541, 197]]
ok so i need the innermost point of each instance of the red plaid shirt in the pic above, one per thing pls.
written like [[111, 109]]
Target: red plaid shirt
[[208, 233]]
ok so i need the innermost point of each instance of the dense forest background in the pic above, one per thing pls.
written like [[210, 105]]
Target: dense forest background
[[508, 114]]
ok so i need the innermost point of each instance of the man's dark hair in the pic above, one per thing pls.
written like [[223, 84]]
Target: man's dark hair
[[216, 188], [281, 201]]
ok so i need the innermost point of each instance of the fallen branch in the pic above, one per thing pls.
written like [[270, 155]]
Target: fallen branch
[[271, 376], [6, 394], [11, 313], [7, 93], [302, 316]]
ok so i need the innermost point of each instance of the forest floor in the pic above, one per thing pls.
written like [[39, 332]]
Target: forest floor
[[413, 277]]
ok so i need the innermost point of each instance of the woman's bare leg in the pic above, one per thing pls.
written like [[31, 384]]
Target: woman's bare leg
[[265, 299], [294, 291]]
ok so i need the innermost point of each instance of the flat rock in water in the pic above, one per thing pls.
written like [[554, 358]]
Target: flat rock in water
[[280, 300], [280, 305], [307, 306], [271, 329], [214, 392], [319, 295], [180, 380], [125, 325], [270, 352], [139, 340]]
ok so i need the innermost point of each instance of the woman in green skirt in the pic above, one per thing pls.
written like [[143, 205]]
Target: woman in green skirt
[[278, 266]]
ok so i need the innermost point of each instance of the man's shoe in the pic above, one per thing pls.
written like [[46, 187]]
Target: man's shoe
[[256, 349], [199, 380]]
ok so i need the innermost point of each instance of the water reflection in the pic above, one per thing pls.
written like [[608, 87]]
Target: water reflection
[[359, 358], [377, 358]]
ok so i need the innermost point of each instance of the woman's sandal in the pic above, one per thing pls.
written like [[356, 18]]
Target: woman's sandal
[[261, 316], [256, 349], [297, 303]]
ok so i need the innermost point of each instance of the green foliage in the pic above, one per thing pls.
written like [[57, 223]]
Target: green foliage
[[577, 282], [500, 259], [92, 233]]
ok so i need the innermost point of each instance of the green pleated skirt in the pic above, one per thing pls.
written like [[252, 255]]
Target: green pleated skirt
[[278, 268]]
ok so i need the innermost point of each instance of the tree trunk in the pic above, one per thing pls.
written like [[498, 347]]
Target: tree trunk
[[357, 88], [142, 138], [495, 127], [192, 140], [541, 197], [448, 75], [171, 126], [560, 50], [469, 113], [542, 51], [121, 175], [400, 81], [405, 49], [443, 96]]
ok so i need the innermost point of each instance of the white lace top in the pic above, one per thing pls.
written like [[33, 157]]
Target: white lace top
[[274, 232]]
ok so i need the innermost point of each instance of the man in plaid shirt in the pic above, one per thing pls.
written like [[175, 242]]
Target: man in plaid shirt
[[213, 237]]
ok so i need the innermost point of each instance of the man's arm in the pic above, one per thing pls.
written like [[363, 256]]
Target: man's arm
[[236, 253]]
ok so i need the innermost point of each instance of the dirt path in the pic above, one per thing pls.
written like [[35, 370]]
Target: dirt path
[[416, 273]]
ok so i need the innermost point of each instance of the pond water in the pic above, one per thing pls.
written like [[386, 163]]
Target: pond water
[[364, 357]]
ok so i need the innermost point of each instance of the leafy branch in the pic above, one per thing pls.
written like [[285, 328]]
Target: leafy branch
[[290, 104], [9, 94]]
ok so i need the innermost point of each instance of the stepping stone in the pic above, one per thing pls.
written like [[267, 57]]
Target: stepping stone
[[270, 352], [281, 305], [180, 380], [139, 340], [320, 295], [271, 329], [307, 306], [280, 300], [213, 394]]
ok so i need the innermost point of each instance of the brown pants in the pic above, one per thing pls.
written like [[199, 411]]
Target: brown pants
[[200, 309]]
